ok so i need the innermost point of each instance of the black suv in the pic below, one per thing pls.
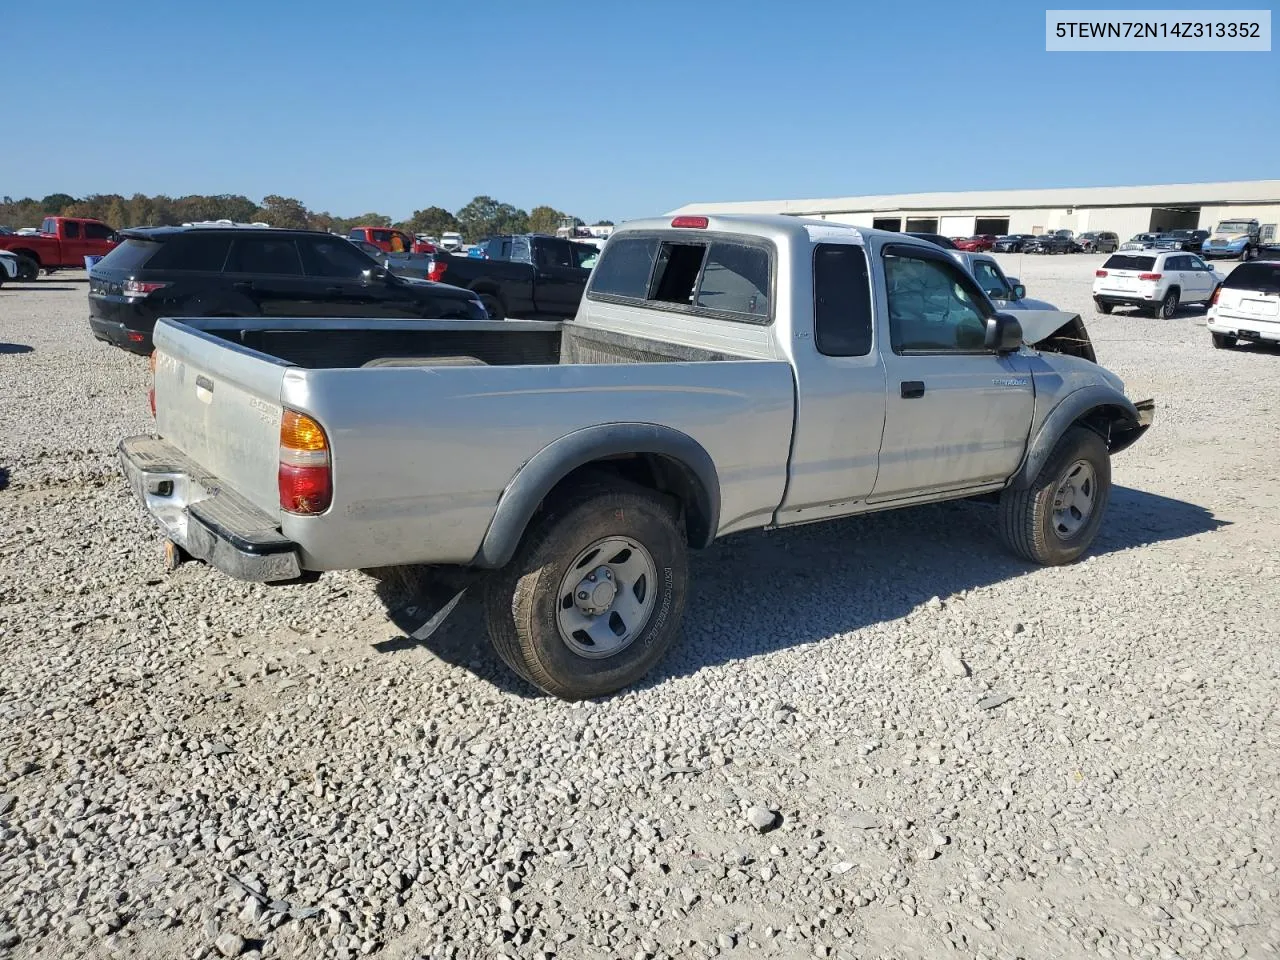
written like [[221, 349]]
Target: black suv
[[251, 272]]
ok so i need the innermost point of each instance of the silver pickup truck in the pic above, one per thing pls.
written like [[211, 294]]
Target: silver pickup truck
[[723, 373]]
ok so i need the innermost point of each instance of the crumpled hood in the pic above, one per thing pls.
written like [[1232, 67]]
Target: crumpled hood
[[1227, 237], [1039, 325]]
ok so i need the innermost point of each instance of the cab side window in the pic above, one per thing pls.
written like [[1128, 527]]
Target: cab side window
[[934, 307], [841, 300], [70, 230], [991, 281]]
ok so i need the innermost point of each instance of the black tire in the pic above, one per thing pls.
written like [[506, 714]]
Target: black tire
[[1104, 307], [1168, 306], [1026, 516], [493, 306], [521, 600], [1224, 341]]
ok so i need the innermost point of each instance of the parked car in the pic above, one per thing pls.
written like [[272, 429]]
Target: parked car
[[1233, 238], [451, 241], [976, 244], [390, 240], [936, 239], [415, 265], [1050, 243], [1098, 241], [1154, 281], [1247, 305], [1011, 243], [531, 276], [722, 374], [62, 242], [1141, 241], [1006, 292], [14, 267], [248, 272], [1191, 241]]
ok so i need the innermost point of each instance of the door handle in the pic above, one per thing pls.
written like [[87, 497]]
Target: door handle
[[912, 389], [333, 291], [242, 285]]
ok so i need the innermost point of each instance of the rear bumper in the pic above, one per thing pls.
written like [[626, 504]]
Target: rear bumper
[[203, 517], [1125, 299], [118, 335], [1248, 328]]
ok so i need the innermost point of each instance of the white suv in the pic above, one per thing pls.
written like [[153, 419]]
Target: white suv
[[1247, 305], [1154, 280]]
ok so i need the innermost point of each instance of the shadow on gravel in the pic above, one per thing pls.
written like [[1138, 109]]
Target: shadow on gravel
[[15, 348], [757, 592], [4, 478]]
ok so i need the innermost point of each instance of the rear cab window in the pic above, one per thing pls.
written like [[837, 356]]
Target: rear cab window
[[1125, 261], [713, 275], [841, 300]]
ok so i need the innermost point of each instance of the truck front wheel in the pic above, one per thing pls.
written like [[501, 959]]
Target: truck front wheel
[[595, 593], [1055, 520]]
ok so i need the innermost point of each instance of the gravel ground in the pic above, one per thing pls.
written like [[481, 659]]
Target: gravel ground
[[880, 737]]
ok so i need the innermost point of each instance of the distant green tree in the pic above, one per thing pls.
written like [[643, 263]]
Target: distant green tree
[[432, 221], [544, 219], [603, 223], [485, 216], [54, 203], [283, 212]]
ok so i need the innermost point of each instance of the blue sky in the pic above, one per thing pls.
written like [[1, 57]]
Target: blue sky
[[603, 109]]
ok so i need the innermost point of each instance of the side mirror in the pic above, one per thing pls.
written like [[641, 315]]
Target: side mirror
[[376, 275], [1019, 291], [1004, 334]]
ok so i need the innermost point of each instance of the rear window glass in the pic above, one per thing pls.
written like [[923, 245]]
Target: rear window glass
[[735, 280], [624, 269], [203, 252], [264, 255], [1259, 275], [130, 255], [1125, 261], [841, 300]]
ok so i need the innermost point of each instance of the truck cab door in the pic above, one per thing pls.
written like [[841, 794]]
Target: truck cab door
[[558, 280], [840, 391], [957, 414]]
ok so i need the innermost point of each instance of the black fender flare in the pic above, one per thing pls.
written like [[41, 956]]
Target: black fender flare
[[1099, 400], [539, 476]]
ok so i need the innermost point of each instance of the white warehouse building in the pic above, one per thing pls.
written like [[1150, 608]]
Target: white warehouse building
[[1122, 210]]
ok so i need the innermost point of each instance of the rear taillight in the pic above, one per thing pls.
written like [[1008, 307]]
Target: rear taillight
[[1150, 276], [305, 476], [140, 288], [151, 394], [1216, 293], [436, 270], [1099, 273]]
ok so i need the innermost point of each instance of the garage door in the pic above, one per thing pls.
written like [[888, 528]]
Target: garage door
[[956, 226], [922, 224], [997, 225]]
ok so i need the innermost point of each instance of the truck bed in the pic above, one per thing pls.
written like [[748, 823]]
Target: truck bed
[[508, 343], [429, 421]]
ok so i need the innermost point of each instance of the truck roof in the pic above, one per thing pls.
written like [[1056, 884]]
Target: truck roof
[[773, 225]]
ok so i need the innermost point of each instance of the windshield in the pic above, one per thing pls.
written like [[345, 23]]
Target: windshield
[[1234, 226]]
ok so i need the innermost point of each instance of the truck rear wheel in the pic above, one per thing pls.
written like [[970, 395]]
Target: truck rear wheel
[[1055, 520], [595, 593], [493, 306]]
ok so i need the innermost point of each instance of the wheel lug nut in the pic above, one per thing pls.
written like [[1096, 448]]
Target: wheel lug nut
[[583, 595]]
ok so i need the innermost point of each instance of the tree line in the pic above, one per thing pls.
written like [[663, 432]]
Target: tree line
[[483, 216]]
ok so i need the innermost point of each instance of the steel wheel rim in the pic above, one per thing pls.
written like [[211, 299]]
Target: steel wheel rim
[[1074, 499], [606, 597]]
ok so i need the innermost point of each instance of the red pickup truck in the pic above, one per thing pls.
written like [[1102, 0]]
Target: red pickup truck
[[389, 240], [63, 242]]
